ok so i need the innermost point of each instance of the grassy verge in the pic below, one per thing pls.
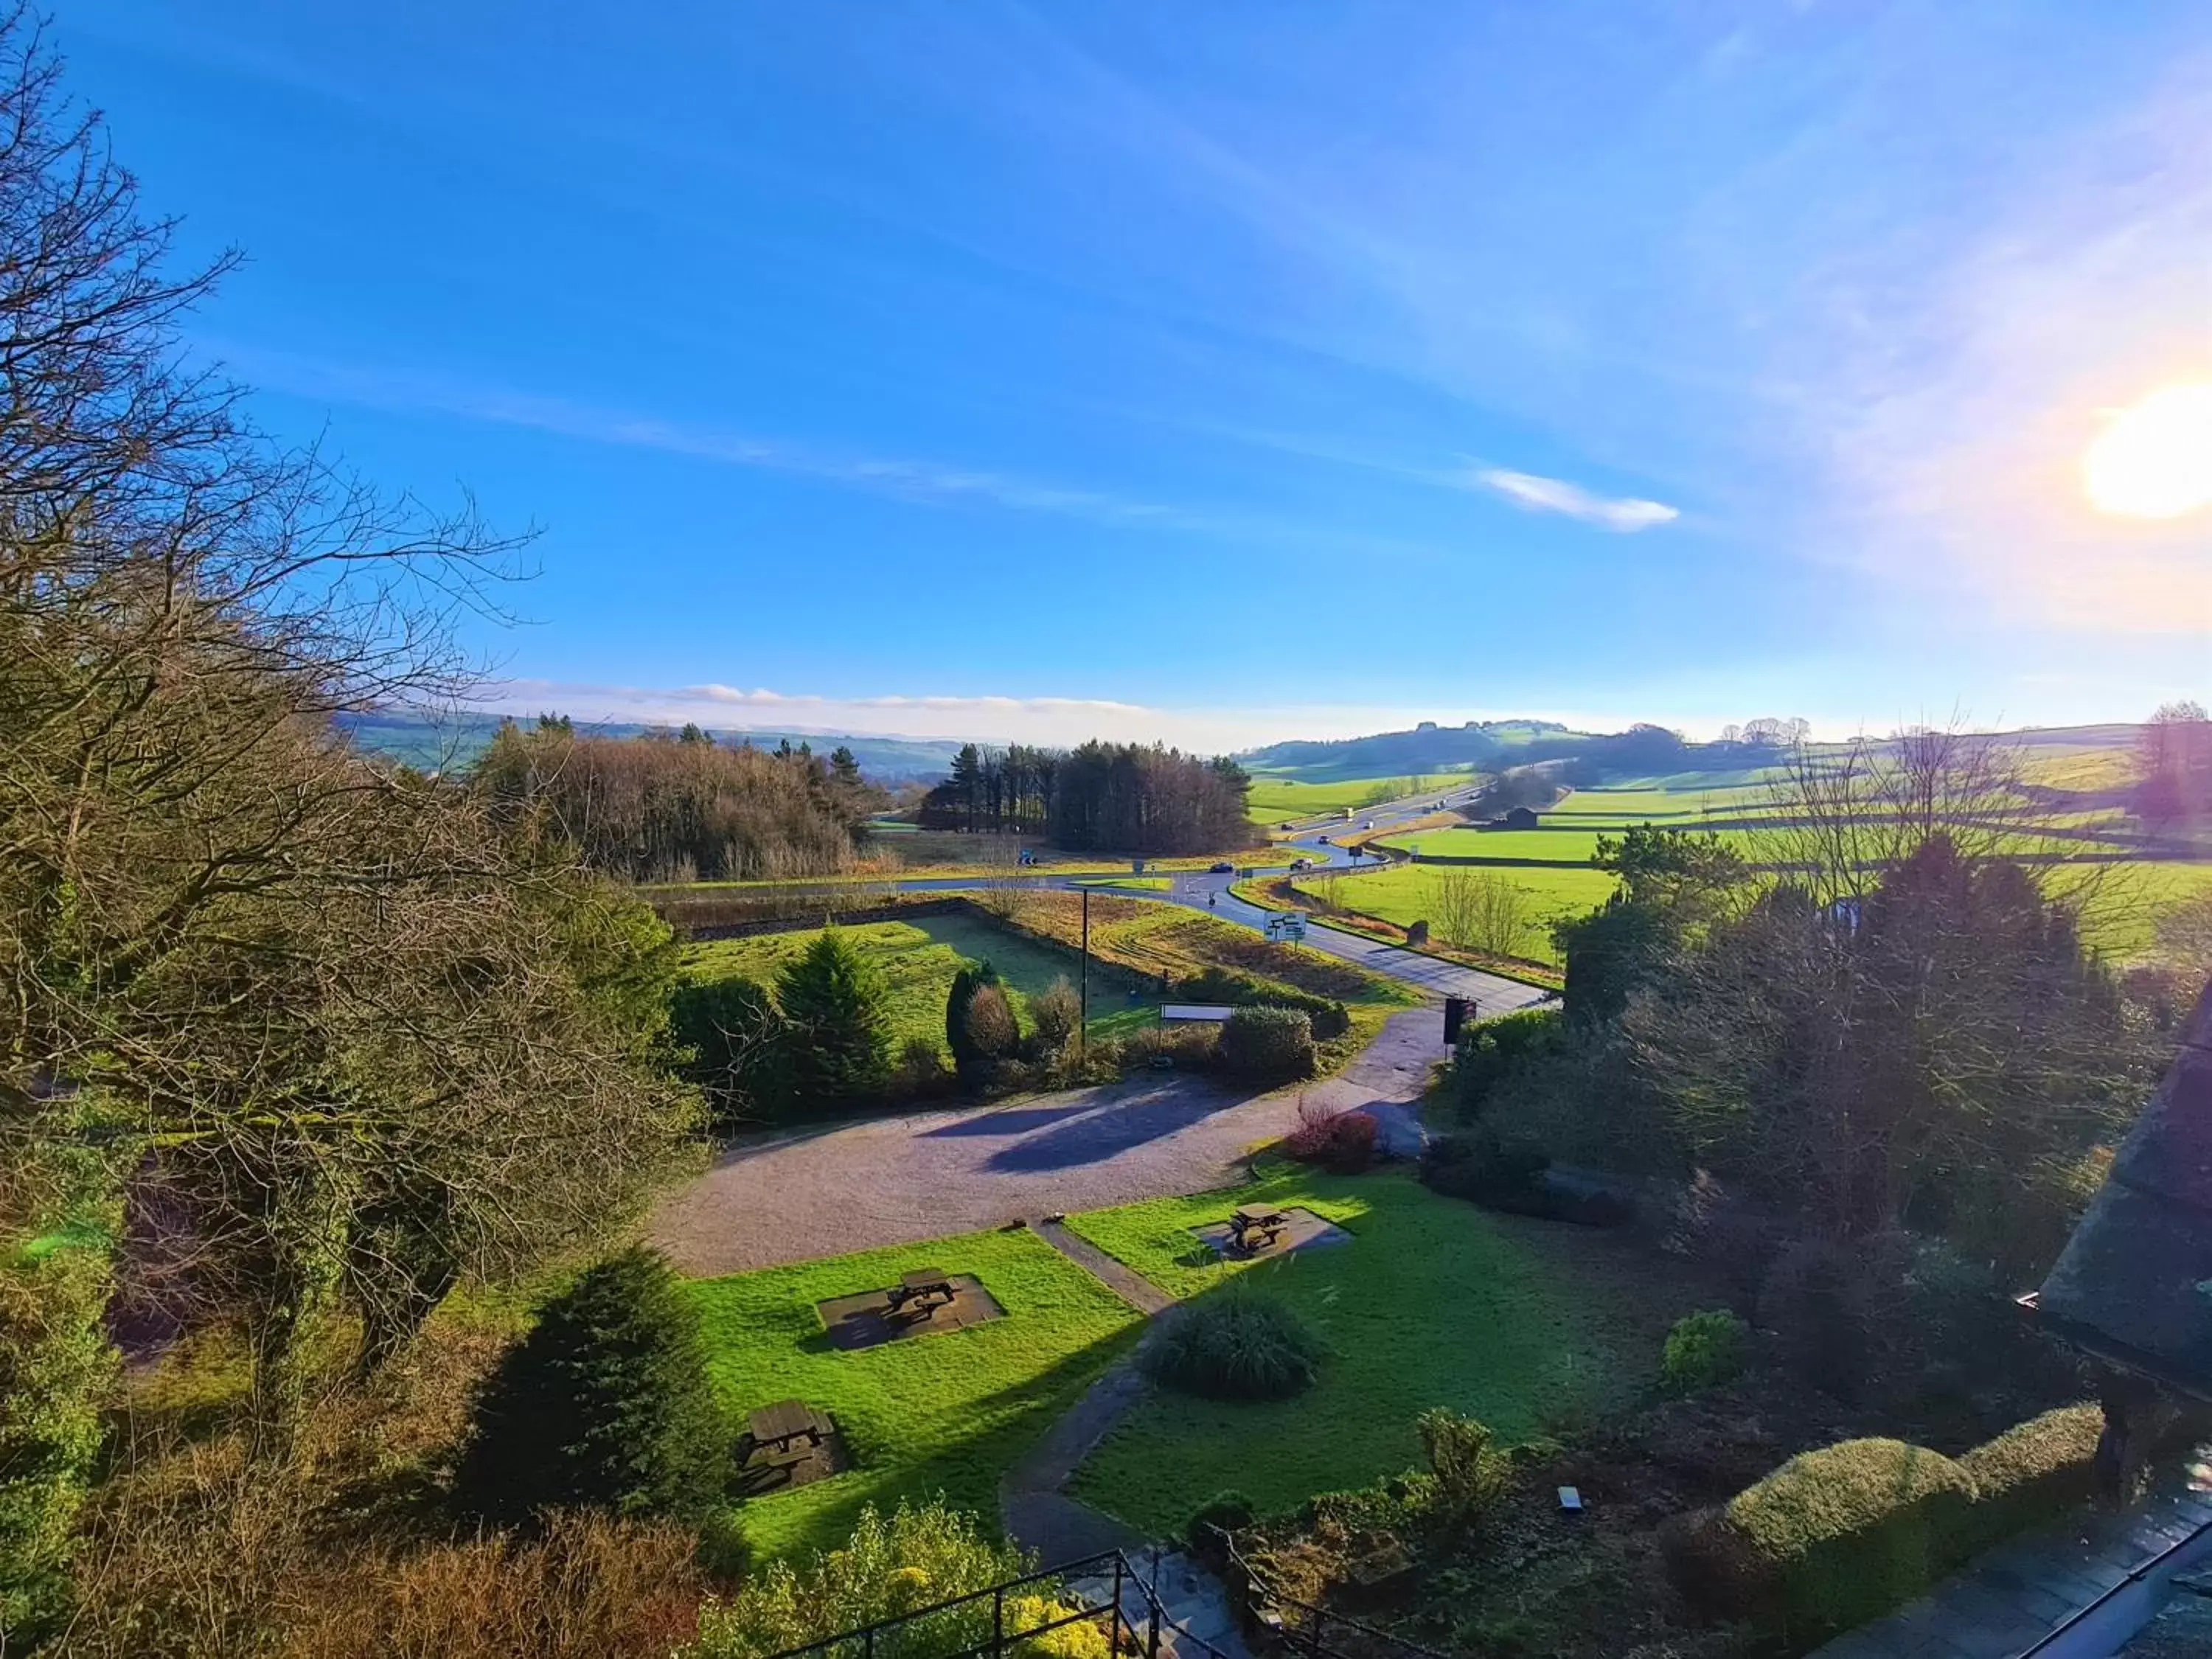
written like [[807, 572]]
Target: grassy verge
[[948, 1412], [1275, 798], [1165, 940], [1431, 1303], [1283, 893], [919, 958]]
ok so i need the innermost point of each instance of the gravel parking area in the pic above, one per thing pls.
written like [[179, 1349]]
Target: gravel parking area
[[825, 1191]]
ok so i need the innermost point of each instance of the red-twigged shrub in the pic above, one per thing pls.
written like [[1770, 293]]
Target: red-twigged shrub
[[1340, 1141]]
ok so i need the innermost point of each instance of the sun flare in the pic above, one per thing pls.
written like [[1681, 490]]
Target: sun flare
[[2155, 460]]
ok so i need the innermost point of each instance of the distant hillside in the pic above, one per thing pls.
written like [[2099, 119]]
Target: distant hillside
[[1427, 748], [2068, 756], [445, 741]]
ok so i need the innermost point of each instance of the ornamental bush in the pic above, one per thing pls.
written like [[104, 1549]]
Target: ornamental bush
[[1343, 1142], [992, 1034], [1055, 1012], [605, 1405], [1473, 1474], [837, 1006], [972, 1066], [917, 1558], [1237, 1343], [1703, 1350], [1268, 1045]]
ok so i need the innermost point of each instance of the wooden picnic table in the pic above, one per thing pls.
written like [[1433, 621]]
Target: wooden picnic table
[[786, 1420], [1247, 1220], [928, 1287]]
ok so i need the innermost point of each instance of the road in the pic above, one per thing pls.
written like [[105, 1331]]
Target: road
[[1313, 839]]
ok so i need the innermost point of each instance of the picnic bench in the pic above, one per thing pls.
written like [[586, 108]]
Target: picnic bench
[[1255, 1226], [922, 1293], [787, 1434]]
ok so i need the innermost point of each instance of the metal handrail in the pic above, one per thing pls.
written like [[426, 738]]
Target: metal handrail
[[1124, 1574], [1318, 1618]]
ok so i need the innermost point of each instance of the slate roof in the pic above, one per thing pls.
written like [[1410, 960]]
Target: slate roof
[[2134, 1284]]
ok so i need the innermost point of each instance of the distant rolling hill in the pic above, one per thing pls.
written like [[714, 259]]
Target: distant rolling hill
[[445, 741]]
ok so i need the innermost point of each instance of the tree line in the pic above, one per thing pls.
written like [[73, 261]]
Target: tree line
[[1097, 797], [677, 805]]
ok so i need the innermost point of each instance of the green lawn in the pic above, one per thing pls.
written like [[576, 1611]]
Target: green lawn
[[1406, 893], [1433, 1301], [948, 1412], [919, 958]]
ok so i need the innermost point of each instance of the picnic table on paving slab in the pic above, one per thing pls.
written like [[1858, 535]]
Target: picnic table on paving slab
[[923, 1290], [789, 1431], [1260, 1222]]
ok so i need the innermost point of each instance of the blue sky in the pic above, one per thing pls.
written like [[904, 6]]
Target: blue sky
[[1231, 371]]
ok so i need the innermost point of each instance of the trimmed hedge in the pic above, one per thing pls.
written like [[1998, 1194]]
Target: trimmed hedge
[[1330, 1019], [1268, 1044], [2034, 1471], [1845, 1533], [1837, 1536]]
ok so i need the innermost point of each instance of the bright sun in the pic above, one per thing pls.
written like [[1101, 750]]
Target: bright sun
[[2154, 461]]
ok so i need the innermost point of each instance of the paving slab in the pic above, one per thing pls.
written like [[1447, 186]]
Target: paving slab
[[1304, 1231], [867, 1320]]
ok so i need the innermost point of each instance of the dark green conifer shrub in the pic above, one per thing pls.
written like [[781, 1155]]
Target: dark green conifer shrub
[[605, 1405]]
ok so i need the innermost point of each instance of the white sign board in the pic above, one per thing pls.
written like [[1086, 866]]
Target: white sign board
[[1292, 926], [1195, 1011]]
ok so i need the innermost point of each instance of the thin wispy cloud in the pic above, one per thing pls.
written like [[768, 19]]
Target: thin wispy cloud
[[1531, 492], [403, 392]]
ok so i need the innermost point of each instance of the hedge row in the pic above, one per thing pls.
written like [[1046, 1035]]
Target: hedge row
[[1839, 1536], [1330, 1019]]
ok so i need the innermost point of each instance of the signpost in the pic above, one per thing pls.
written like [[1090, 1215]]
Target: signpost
[[1287, 925]]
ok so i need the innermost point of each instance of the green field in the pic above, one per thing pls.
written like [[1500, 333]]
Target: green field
[[1275, 798], [919, 958], [1406, 893], [948, 1412], [1431, 1303]]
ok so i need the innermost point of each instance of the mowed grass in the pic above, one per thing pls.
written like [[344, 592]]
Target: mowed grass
[[1406, 894], [919, 959], [948, 1412], [1431, 1303], [1275, 798]]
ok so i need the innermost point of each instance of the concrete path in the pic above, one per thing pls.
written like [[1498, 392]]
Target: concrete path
[[825, 1191], [1132, 1286], [2077, 1592]]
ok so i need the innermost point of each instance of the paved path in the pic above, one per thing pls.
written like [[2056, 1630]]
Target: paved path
[[2077, 1592], [837, 1187], [1132, 1286]]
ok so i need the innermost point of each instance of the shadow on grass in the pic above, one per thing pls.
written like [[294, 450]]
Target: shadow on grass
[[1007, 1425]]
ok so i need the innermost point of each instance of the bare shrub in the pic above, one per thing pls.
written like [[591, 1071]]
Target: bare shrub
[[590, 1588], [1483, 911]]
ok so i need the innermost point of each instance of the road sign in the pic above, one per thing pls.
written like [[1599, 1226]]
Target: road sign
[[1290, 925]]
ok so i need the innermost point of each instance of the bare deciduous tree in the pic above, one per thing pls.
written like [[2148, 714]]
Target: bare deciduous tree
[[1483, 911]]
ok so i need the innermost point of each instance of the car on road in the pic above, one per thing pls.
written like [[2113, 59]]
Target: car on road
[[1301, 864], [1287, 824], [1222, 867], [1370, 825], [1323, 839]]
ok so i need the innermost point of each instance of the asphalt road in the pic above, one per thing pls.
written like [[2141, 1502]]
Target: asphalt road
[[1204, 890]]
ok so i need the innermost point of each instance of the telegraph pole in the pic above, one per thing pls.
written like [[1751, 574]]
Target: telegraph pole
[[1083, 1020]]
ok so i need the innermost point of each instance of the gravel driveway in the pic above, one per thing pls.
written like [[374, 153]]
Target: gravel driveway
[[825, 1191]]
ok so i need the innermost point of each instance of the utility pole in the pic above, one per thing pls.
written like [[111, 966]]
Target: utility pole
[[1083, 1019]]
